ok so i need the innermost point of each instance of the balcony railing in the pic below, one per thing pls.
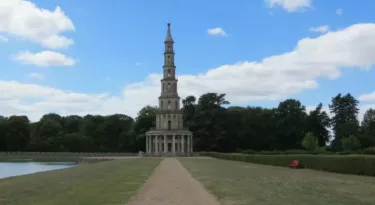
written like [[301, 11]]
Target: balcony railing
[[184, 128]]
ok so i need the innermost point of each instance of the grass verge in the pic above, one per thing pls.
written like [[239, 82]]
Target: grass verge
[[109, 183], [347, 164], [240, 183], [52, 156]]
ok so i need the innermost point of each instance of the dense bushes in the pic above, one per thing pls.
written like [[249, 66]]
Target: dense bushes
[[349, 164], [286, 152]]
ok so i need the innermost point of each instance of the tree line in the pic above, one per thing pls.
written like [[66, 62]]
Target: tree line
[[216, 127]]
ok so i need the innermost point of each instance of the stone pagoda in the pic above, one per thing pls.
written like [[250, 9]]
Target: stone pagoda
[[169, 137]]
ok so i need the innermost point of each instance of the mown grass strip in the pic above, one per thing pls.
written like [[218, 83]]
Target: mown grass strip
[[53, 156], [239, 183], [111, 182]]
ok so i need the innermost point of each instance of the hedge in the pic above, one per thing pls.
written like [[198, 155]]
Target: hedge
[[346, 164]]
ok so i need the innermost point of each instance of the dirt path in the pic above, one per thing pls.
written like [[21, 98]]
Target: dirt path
[[172, 184]]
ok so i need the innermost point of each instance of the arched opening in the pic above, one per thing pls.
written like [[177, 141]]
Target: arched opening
[[169, 125], [161, 104], [169, 105], [169, 73], [169, 86], [176, 104]]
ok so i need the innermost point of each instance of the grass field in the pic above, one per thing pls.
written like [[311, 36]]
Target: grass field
[[52, 156], [105, 183], [239, 183]]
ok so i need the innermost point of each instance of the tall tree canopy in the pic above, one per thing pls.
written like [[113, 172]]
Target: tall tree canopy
[[344, 121], [216, 127]]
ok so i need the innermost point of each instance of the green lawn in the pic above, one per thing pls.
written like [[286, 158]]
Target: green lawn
[[52, 156], [239, 183], [105, 183], [38, 158]]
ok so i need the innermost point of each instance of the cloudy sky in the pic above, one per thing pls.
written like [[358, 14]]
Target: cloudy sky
[[80, 57]]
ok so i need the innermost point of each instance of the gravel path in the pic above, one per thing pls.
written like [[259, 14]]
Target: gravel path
[[172, 184]]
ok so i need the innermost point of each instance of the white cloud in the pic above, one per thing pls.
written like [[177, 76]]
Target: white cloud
[[339, 12], [24, 19], [273, 78], [289, 5], [320, 29], [35, 100], [368, 97], [44, 59], [3, 39], [39, 76], [138, 63], [216, 31]]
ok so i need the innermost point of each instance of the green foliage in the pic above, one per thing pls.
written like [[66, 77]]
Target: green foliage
[[344, 121], [350, 143], [349, 164], [216, 126], [369, 150], [310, 142], [317, 123]]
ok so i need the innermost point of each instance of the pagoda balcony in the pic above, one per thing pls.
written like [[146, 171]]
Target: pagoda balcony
[[184, 128]]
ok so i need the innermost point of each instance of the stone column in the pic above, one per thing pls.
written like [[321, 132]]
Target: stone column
[[146, 151], [188, 144], [182, 143], [165, 144], [149, 144], [156, 144], [191, 148], [177, 144], [173, 144]]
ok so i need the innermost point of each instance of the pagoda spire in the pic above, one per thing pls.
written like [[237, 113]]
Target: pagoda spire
[[169, 35]]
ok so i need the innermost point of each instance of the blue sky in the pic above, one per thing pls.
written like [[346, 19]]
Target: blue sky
[[115, 56]]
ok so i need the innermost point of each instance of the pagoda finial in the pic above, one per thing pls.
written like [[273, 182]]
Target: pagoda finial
[[169, 35]]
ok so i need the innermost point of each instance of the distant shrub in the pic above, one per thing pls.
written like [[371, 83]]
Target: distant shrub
[[350, 143], [350, 164], [310, 142], [369, 150], [248, 151]]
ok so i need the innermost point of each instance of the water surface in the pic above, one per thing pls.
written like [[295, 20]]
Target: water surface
[[9, 169]]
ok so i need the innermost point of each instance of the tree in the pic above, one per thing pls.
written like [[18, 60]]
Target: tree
[[344, 121], [189, 108], [3, 130], [317, 123], [310, 142], [368, 118], [143, 123], [48, 132], [290, 124], [366, 135], [17, 134], [350, 143], [216, 127], [210, 130]]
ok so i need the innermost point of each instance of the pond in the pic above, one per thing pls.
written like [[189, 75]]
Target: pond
[[9, 169]]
